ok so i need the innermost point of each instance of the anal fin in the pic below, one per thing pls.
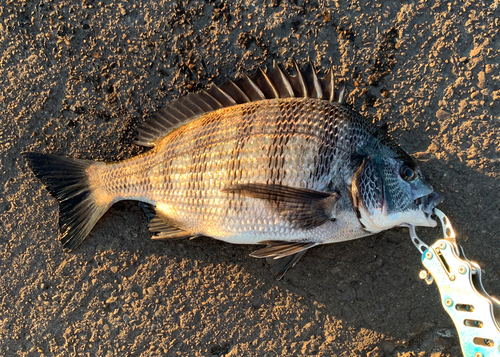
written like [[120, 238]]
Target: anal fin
[[148, 209], [161, 227]]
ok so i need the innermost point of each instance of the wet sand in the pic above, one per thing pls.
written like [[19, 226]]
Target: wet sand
[[77, 77]]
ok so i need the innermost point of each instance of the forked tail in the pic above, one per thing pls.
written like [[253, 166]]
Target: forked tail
[[67, 180]]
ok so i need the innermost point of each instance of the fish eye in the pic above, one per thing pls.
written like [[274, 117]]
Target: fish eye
[[407, 172]]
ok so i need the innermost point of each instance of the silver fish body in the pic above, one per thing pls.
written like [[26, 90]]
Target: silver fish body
[[285, 168], [297, 142]]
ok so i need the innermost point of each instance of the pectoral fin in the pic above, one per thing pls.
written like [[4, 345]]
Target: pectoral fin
[[305, 208], [283, 255]]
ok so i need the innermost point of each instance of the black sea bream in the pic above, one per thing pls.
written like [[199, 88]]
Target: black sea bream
[[274, 159]]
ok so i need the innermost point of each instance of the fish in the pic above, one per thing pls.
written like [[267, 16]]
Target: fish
[[273, 158]]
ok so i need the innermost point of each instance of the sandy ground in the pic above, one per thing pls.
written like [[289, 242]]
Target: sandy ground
[[76, 77]]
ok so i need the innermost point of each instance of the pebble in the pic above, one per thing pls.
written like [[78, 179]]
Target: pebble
[[481, 79], [475, 94], [111, 300], [114, 269], [442, 114]]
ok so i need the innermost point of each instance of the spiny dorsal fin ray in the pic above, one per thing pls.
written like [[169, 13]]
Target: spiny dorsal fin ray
[[237, 93], [251, 89], [265, 84], [280, 82], [328, 85], [221, 96], [208, 100], [298, 83], [340, 95], [193, 106], [260, 86], [313, 83]]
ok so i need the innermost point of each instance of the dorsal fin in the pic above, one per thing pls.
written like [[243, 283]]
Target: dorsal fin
[[298, 83], [314, 85], [260, 86], [280, 82], [237, 93], [328, 85], [265, 84], [251, 89]]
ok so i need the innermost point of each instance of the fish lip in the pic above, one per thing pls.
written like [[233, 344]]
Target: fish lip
[[427, 203]]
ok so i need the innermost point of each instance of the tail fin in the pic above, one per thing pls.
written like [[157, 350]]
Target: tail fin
[[67, 181]]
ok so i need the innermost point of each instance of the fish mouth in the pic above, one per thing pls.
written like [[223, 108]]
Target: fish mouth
[[426, 204]]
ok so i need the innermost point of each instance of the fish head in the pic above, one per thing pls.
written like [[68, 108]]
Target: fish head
[[390, 192]]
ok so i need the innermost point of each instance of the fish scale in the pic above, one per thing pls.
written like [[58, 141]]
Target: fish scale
[[273, 159]]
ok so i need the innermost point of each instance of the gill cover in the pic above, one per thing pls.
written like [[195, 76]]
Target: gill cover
[[367, 192]]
